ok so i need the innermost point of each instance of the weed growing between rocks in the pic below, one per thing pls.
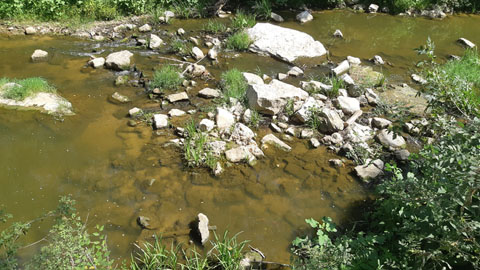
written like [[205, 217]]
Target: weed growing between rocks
[[166, 78], [195, 148], [263, 9], [234, 85], [239, 41], [21, 89]]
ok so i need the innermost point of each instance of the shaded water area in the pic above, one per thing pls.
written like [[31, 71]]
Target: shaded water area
[[117, 172]]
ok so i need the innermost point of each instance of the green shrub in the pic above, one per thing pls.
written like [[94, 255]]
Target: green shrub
[[243, 20], [425, 218], [233, 85], [167, 78], [26, 88], [454, 87], [68, 245], [239, 41]]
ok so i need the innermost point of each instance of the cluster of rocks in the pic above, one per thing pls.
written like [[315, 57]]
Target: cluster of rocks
[[288, 108]]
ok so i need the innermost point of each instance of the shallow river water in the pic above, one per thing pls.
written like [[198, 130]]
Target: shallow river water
[[116, 172]]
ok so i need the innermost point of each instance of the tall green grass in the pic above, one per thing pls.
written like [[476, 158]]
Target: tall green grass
[[26, 87], [167, 78], [214, 27], [195, 149], [234, 85], [239, 41], [243, 20]]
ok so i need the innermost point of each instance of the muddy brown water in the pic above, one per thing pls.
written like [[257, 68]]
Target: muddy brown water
[[116, 172]]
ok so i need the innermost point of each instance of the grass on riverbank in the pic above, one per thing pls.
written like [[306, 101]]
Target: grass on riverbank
[[454, 87], [89, 10], [21, 89]]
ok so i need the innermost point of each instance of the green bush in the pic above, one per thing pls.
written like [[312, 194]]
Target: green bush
[[26, 88], [454, 87], [234, 85], [167, 78], [68, 244], [239, 41], [425, 218]]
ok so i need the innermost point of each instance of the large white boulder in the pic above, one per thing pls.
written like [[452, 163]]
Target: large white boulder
[[370, 170], [97, 62], [155, 41], [118, 60], [252, 78], [304, 16], [224, 119], [272, 98], [390, 139], [283, 43], [330, 121], [160, 121], [348, 105]]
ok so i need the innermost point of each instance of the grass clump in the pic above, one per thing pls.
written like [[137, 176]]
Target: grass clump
[[214, 27], [25, 88], [243, 20], [234, 85], [454, 87], [263, 9], [167, 78], [196, 150], [239, 41]]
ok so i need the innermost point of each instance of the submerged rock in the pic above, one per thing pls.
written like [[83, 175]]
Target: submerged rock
[[119, 98], [119, 60], [272, 98], [271, 139], [283, 43]]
